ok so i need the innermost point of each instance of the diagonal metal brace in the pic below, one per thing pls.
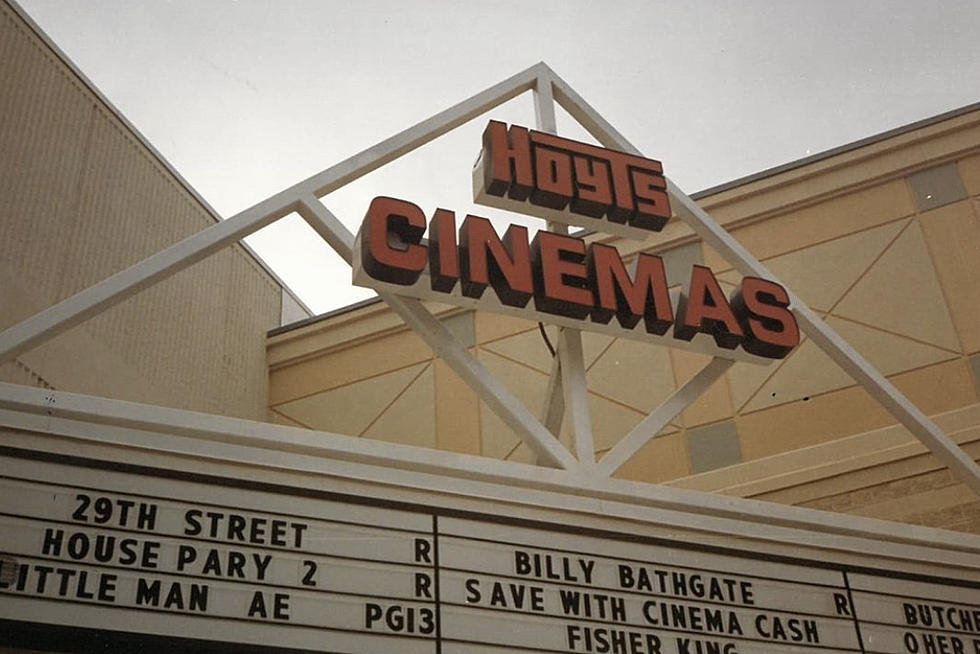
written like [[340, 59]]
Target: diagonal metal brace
[[660, 417], [810, 323]]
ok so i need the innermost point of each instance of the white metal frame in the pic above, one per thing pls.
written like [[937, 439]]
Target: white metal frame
[[568, 376]]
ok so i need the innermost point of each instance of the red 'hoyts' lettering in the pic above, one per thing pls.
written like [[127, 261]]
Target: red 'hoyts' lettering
[[558, 173]]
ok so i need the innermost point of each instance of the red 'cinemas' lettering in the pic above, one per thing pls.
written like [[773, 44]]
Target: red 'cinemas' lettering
[[560, 274], [443, 255], [488, 260], [645, 296], [568, 277], [765, 316], [704, 309], [558, 173], [393, 228]]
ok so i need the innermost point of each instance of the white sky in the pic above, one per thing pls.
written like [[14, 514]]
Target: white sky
[[246, 98]]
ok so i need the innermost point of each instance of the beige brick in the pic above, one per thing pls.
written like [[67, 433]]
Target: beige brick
[[714, 404], [457, 412], [410, 419], [345, 366], [528, 347], [832, 218], [902, 293], [822, 273], [938, 388], [970, 173], [492, 326], [800, 424], [351, 408], [953, 236], [636, 374], [662, 459]]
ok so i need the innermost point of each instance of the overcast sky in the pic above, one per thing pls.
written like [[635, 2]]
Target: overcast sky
[[246, 98]]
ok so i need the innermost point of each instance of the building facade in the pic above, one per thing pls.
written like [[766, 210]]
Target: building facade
[[881, 237], [85, 196], [205, 466]]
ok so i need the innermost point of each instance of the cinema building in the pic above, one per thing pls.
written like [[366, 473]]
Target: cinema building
[[189, 459]]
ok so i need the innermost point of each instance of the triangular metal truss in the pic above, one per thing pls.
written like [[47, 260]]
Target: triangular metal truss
[[567, 387]]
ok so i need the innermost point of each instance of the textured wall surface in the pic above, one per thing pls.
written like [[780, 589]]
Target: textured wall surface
[[83, 198], [882, 240], [883, 474]]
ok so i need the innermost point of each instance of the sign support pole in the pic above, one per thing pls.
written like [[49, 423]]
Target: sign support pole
[[568, 365], [660, 417]]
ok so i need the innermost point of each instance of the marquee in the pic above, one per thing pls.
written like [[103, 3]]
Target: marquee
[[364, 562]]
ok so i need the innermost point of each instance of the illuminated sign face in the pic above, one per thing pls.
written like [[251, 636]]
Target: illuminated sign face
[[560, 278]]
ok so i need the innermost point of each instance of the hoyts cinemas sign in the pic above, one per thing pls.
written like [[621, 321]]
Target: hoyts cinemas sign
[[559, 278], [537, 173]]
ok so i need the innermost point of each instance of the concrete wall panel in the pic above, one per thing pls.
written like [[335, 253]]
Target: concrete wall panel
[[83, 198]]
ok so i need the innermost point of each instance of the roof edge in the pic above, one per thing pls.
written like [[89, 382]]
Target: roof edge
[[360, 304], [833, 152]]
